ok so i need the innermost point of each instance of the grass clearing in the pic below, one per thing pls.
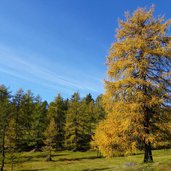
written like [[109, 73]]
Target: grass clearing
[[88, 161]]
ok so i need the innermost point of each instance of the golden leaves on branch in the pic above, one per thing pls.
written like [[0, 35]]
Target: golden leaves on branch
[[136, 91]]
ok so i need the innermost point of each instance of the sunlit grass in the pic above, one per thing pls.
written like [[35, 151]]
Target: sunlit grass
[[88, 161]]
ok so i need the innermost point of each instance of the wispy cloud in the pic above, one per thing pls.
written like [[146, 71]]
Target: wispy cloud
[[30, 69]]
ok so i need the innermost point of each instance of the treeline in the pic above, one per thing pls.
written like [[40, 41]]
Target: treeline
[[28, 123]]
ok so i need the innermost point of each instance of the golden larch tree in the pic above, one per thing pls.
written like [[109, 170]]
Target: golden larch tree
[[50, 134], [138, 88]]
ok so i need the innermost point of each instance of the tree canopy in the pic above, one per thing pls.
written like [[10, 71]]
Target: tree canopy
[[138, 89]]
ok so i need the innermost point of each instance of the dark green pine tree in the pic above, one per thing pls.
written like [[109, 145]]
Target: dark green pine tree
[[88, 99], [57, 110], [27, 108], [5, 114], [39, 123], [87, 120], [74, 129], [18, 117], [99, 109]]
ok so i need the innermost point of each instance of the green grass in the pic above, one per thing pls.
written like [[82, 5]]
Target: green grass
[[87, 161]]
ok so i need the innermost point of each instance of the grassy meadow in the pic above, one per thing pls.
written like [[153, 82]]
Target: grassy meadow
[[88, 161]]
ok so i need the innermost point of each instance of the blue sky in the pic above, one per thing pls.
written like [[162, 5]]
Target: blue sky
[[60, 46]]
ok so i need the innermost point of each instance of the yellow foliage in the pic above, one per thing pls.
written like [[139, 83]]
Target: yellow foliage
[[138, 86], [50, 133]]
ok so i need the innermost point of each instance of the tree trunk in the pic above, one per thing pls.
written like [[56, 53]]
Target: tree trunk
[[147, 149], [3, 149], [99, 155], [12, 166], [12, 159], [49, 158], [50, 155], [148, 153]]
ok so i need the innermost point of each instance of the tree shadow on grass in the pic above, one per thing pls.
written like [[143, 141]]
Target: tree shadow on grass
[[23, 159], [96, 169], [32, 169], [136, 154], [77, 159]]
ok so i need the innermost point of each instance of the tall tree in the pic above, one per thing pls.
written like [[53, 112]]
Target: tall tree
[[138, 90], [57, 110], [5, 112], [87, 120], [50, 134], [18, 117], [73, 127], [10, 140], [27, 108], [99, 109], [99, 115], [39, 123]]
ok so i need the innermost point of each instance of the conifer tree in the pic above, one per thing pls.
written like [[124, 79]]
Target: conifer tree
[[73, 127], [5, 112], [88, 99], [39, 123], [26, 109], [57, 110], [138, 89], [87, 121], [50, 134], [99, 109], [10, 140], [18, 117], [99, 115]]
